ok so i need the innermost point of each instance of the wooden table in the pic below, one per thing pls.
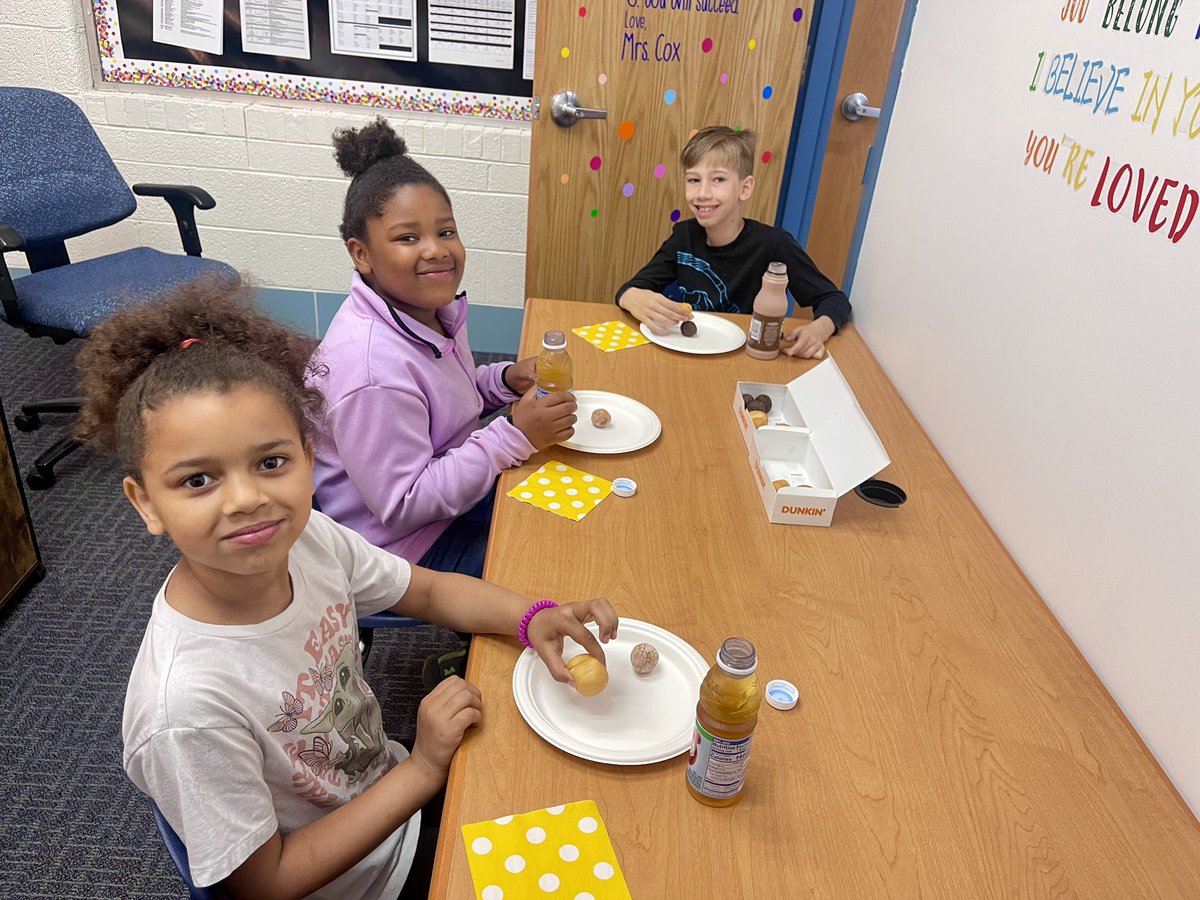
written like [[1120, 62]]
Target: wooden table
[[951, 741]]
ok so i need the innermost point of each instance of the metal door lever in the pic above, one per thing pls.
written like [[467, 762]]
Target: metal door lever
[[854, 107]]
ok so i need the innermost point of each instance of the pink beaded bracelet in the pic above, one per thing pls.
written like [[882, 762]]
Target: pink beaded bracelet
[[523, 628]]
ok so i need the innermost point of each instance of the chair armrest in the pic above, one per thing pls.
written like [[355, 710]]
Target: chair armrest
[[9, 239], [198, 197], [184, 200]]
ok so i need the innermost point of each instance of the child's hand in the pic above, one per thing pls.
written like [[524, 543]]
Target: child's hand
[[808, 341], [547, 628], [548, 420], [519, 377], [442, 718], [659, 313]]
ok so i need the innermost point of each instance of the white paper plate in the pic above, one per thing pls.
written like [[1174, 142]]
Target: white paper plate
[[634, 425], [713, 335], [636, 720]]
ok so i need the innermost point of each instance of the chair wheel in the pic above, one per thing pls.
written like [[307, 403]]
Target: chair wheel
[[39, 482], [25, 422]]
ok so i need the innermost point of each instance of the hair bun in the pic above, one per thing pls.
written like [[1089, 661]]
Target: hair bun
[[357, 149]]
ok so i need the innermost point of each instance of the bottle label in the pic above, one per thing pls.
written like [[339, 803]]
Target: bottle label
[[765, 332], [541, 392], [716, 766]]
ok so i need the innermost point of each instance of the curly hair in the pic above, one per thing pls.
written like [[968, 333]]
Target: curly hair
[[378, 161], [132, 363], [734, 148]]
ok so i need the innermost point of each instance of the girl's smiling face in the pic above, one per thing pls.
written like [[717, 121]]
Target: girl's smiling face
[[412, 255], [229, 477]]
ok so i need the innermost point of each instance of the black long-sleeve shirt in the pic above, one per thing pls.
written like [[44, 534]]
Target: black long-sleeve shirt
[[726, 279]]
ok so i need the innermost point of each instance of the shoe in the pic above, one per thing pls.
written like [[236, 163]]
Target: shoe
[[438, 667]]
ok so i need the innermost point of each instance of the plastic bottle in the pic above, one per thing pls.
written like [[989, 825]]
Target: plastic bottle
[[770, 309], [725, 720], [555, 372]]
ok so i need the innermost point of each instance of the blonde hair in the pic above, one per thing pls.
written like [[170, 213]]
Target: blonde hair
[[734, 148]]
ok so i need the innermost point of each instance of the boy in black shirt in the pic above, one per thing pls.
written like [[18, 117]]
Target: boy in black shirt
[[715, 261]]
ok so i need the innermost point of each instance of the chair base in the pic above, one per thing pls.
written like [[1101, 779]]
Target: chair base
[[42, 476], [29, 419]]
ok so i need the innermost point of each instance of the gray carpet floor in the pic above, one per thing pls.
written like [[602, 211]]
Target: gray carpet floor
[[72, 825]]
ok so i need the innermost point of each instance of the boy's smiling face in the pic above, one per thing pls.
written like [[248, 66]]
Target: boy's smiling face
[[715, 192]]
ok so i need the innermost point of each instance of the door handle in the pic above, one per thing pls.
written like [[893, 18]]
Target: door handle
[[854, 107], [566, 111]]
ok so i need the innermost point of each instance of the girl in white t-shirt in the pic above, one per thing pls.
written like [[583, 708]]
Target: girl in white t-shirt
[[247, 718]]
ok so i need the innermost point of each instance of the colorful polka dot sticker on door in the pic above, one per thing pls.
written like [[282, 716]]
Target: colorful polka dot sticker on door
[[562, 490], [562, 851], [610, 336]]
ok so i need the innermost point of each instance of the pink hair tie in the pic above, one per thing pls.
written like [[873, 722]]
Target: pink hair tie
[[187, 342], [523, 628]]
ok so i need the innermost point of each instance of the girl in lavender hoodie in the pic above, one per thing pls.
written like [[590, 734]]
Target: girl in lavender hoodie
[[401, 457]]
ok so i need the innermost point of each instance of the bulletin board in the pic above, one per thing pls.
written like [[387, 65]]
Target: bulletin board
[[456, 57]]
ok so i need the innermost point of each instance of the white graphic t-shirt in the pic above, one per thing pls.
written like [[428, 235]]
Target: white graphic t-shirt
[[237, 731]]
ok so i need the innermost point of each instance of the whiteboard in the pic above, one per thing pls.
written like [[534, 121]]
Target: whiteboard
[[1043, 323]]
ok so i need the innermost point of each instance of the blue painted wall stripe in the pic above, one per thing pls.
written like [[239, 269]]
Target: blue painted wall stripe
[[493, 329]]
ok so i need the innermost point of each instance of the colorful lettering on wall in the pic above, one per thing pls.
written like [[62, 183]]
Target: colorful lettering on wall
[[1163, 205], [1153, 100], [1124, 186], [1157, 17], [1085, 82], [1041, 151]]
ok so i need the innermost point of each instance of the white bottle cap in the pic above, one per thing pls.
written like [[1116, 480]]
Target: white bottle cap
[[624, 487], [782, 694]]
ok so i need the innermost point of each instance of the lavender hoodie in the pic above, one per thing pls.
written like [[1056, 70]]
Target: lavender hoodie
[[401, 453]]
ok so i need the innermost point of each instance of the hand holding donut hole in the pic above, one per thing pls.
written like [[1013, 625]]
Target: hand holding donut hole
[[589, 673]]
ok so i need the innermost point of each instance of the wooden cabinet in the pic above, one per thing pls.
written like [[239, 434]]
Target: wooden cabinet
[[20, 561]]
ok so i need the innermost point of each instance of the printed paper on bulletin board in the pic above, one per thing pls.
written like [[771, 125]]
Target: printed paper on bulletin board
[[457, 57]]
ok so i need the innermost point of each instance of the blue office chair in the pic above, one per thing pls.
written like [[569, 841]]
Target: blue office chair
[[58, 182], [180, 858]]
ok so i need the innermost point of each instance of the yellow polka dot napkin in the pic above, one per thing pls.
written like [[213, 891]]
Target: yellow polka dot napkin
[[563, 851], [562, 490], [610, 336]]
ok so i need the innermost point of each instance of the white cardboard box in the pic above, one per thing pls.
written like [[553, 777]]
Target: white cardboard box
[[816, 437]]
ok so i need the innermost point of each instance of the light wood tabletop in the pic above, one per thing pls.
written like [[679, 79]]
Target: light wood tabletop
[[950, 741]]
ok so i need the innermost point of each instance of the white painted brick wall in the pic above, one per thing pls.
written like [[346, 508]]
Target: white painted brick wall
[[269, 165]]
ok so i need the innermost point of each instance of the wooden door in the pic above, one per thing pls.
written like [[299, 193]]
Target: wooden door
[[866, 68], [603, 194]]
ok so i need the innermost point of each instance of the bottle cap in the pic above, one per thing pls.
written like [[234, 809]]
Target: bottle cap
[[777, 268], [554, 340], [624, 487], [782, 694]]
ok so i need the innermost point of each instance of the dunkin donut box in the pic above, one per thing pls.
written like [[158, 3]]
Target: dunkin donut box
[[816, 446]]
